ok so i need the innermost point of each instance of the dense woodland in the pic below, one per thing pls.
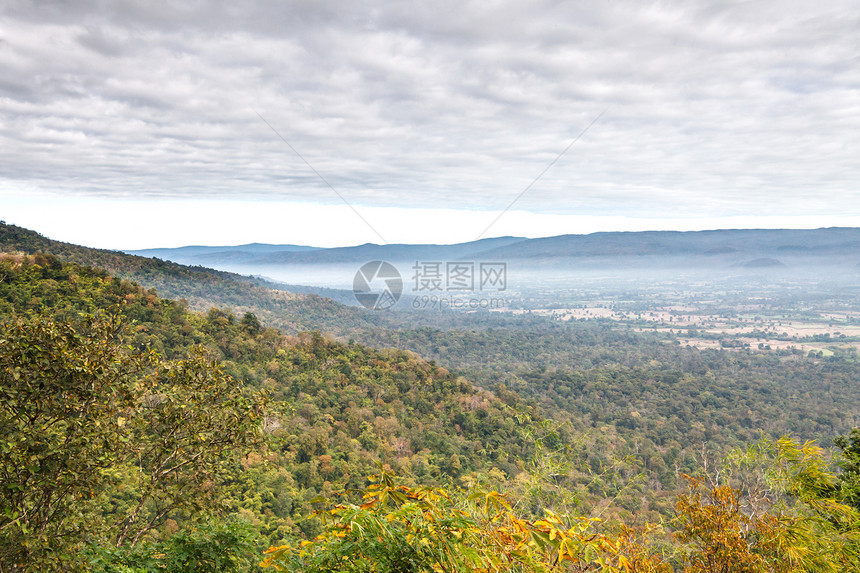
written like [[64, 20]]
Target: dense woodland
[[142, 432], [657, 401]]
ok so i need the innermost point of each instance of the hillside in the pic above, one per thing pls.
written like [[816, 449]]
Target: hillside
[[346, 406], [630, 410], [201, 287]]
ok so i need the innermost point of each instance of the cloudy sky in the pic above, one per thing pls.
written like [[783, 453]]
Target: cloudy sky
[[135, 124]]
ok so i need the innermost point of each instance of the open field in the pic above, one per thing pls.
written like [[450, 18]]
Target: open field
[[749, 328], [790, 315]]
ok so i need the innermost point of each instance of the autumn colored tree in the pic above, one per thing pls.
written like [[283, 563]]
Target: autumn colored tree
[[772, 508], [406, 529]]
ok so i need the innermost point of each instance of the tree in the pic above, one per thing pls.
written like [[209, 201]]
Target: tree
[[80, 412], [849, 479], [64, 393], [251, 324], [401, 529], [770, 509], [190, 427], [216, 547]]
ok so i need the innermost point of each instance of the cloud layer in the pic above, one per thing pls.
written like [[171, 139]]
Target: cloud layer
[[713, 108]]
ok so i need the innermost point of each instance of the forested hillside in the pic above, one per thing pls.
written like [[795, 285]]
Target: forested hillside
[[201, 287], [344, 407]]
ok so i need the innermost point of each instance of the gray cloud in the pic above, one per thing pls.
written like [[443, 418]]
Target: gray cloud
[[714, 108]]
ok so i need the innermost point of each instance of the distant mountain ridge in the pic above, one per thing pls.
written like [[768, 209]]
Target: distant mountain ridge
[[292, 254], [238, 252], [729, 247], [727, 241]]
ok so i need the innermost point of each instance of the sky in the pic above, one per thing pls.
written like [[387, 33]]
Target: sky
[[136, 124]]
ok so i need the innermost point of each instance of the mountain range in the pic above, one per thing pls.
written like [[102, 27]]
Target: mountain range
[[753, 248]]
